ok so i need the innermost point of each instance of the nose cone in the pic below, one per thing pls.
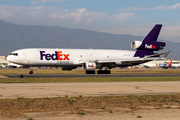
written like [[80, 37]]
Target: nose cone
[[9, 58]]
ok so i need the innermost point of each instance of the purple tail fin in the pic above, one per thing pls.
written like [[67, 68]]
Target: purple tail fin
[[153, 34], [149, 43]]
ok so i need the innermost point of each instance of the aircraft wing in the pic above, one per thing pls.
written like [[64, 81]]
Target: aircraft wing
[[128, 62], [121, 62], [135, 60]]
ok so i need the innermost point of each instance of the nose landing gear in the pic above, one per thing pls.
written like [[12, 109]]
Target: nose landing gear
[[30, 72], [21, 76]]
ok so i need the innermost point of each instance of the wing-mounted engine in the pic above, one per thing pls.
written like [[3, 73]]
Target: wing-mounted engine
[[152, 46], [90, 66]]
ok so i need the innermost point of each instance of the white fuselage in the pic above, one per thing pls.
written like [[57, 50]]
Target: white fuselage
[[65, 57]]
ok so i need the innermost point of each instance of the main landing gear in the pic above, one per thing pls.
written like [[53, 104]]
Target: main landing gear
[[99, 72], [90, 72], [104, 72]]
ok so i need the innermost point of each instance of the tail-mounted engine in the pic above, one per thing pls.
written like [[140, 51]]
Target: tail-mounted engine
[[153, 46], [90, 66]]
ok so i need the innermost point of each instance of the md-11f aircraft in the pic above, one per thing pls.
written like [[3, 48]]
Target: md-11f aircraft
[[92, 59]]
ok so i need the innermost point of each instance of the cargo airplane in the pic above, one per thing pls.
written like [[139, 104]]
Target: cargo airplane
[[91, 59]]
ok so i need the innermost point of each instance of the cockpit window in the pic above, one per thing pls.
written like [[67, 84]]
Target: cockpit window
[[15, 54]]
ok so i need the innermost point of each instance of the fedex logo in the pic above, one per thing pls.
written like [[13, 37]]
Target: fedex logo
[[91, 66], [150, 46], [56, 56]]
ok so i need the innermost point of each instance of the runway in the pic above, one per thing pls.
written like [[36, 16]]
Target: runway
[[41, 90], [89, 75]]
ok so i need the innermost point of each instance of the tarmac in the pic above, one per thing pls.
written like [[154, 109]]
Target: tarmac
[[40, 90], [88, 75]]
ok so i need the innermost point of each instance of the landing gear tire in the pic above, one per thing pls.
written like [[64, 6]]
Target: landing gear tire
[[90, 72], [104, 72], [30, 72], [21, 76]]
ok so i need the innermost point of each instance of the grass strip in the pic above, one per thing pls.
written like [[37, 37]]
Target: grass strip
[[87, 105]]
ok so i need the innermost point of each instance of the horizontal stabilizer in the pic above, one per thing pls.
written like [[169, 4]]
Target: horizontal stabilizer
[[166, 54]]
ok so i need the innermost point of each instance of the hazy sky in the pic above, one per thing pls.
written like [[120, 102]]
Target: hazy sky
[[135, 17]]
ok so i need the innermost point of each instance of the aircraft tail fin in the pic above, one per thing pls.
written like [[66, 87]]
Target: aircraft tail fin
[[153, 34], [169, 63], [149, 44]]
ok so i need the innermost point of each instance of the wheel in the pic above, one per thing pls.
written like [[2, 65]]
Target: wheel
[[99, 71], [21, 76], [104, 72], [90, 72], [108, 72], [30, 72]]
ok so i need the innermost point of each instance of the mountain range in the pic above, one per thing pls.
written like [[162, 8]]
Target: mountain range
[[13, 37]]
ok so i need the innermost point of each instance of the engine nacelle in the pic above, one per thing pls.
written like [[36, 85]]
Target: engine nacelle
[[136, 44], [90, 66], [153, 46]]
